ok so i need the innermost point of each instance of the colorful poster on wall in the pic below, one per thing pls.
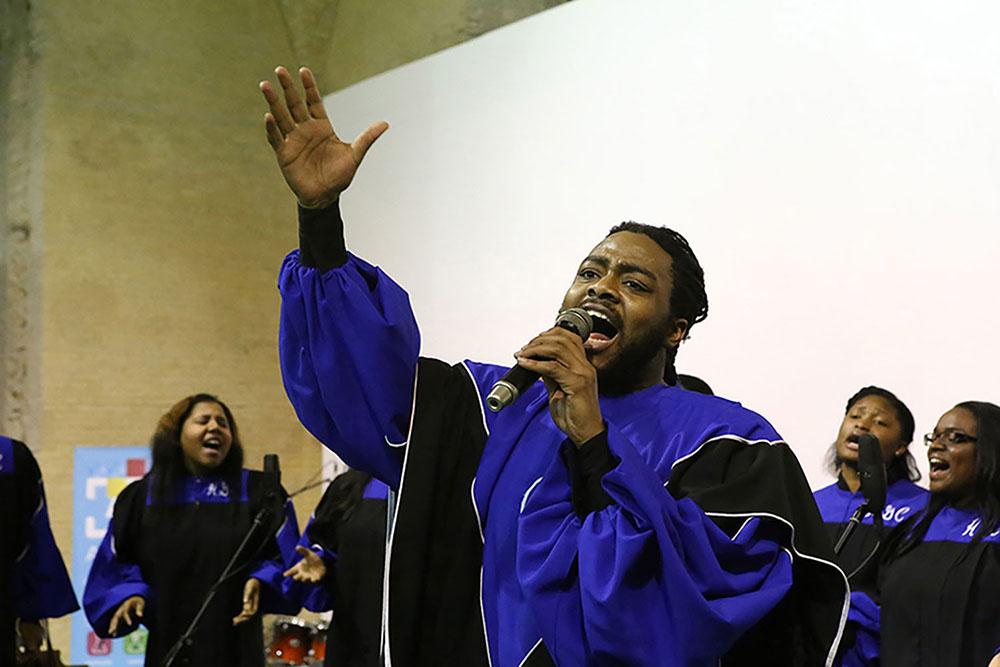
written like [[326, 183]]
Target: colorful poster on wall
[[99, 475]]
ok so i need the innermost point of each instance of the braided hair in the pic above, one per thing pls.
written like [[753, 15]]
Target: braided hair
[[688, 300]]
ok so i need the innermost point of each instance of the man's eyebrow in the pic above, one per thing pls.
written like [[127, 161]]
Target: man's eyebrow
[[623, 267]]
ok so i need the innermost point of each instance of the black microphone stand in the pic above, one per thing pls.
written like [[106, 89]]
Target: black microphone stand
[[852, 523], [186, 640]]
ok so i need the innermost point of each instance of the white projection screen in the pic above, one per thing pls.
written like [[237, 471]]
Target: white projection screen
[[836, 167]]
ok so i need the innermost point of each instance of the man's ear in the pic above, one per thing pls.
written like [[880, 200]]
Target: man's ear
[[677, 332]]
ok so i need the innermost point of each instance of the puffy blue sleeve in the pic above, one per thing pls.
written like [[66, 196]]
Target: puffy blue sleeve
[[654, 580], [863, 622], [270, 570], [111, 581], [40, 582], [348, 345]]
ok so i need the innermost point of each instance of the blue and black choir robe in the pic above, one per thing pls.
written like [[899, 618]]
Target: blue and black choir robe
[[684, 534], [34, 583], [938, 601], [348, 531], [837, 504], [171, 554]]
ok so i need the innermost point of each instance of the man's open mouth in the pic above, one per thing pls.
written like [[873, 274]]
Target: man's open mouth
[[602, 334]]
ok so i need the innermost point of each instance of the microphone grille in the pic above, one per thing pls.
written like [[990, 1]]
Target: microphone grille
[[576, 320]]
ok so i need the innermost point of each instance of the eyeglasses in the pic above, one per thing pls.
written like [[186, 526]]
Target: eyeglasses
[[949, 437]]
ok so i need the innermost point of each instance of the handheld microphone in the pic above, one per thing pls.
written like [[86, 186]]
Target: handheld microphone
[[517, 379], [871, 472]]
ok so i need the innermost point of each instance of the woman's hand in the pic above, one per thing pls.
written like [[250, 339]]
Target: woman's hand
[[316, 164], [251, 601], [310, 569], [134, 605]]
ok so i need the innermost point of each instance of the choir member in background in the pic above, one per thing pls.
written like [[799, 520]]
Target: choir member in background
[[878, 412], [172, 534], [938, 602], [604, 518], [34, 584], [342, 553], [693, 383]]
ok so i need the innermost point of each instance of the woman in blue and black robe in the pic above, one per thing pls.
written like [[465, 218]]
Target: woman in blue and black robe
[[172, 534], [34, 584], [341, 565], [938, 597], [873, 411]]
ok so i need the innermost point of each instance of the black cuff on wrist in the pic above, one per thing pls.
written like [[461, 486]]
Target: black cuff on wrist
[[587, 465], [321, 237]]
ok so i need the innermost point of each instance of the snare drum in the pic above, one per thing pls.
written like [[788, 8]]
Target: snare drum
[[291, 641], [317, 654]]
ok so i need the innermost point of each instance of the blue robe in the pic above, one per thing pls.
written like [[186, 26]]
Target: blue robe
[[171, 554], [34, 583], [504, 553]]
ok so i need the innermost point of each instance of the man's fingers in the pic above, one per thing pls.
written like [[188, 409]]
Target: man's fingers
[[140, 607], [278, 110], [365, 140], [113, 625], [314, 101], [292, 99], [274, 136]]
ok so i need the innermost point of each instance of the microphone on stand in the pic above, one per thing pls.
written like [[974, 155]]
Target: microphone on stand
[[510, 387], [272, 468], [871, 473]]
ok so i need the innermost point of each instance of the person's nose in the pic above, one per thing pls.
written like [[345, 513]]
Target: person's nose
[[605, 288]]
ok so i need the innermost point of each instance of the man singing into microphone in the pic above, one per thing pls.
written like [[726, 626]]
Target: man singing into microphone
[[605, 517]]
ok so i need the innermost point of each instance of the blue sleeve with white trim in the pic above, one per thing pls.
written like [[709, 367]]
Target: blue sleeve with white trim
[[110, 582], [40, 584], [348, 345]]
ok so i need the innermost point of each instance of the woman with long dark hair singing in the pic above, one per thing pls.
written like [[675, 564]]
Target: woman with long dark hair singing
[[173, 533]]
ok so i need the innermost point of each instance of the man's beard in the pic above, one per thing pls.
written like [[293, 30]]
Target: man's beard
[[620, 375]]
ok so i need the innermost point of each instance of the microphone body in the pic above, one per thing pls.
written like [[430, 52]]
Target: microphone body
[[510, 387], [272, 468], [871, 473]]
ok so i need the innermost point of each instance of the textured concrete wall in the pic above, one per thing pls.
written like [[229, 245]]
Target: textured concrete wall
[[159, 219]]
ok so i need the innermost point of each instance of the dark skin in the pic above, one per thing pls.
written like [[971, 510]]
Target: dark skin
[[627, 276], [874, 415]]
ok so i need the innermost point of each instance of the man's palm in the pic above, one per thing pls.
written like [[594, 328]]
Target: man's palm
[[315, 163]]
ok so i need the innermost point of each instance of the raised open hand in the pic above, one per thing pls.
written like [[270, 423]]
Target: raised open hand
[[316, 164], [310, 569]]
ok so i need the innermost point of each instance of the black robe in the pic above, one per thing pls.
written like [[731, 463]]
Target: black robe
[[348, 532], [941, 598], [172, 554]]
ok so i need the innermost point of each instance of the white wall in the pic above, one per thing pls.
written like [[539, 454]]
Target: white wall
[[836, 167]]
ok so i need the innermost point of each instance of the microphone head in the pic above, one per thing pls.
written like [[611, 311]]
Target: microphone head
[[272, 467], [871, 472], [576, 320]]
